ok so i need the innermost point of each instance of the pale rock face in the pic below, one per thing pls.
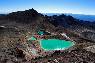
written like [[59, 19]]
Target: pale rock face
[[91, 48], [3, 26], [63, 34]]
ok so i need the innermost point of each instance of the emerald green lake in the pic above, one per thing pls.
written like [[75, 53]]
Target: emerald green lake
[[55, 44]]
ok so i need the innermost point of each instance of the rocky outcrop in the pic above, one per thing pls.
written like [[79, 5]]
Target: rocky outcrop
[[26, 16], [89, 35], [63, 20], [20, 26]]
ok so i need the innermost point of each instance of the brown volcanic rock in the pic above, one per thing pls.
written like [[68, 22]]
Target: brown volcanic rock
[[89, 35], [30, 21], [26, 16]]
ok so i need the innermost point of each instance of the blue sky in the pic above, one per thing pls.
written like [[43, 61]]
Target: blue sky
[[49, 6]]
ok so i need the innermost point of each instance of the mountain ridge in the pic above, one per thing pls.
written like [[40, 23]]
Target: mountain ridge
[[84, 17], [17, 27]]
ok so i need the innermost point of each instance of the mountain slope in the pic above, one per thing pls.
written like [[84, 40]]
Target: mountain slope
[[17, 27]]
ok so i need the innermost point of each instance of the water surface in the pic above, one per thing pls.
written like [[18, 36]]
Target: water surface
[[55, 44]]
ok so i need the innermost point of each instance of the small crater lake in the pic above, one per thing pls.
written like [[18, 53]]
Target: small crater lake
[[55, 44]]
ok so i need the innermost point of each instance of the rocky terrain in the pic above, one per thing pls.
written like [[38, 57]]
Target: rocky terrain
[[17, 27]]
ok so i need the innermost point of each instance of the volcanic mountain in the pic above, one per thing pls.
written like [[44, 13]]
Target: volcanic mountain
[[17, 27]]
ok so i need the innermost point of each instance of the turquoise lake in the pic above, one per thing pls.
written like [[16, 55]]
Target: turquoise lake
[[55, 44]]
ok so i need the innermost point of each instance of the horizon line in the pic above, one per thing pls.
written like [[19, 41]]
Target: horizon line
[[48, 12]]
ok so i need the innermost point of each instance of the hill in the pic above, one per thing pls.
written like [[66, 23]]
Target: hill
[[17, 27]]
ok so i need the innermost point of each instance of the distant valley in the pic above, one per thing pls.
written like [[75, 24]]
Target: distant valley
[[90, 18]]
